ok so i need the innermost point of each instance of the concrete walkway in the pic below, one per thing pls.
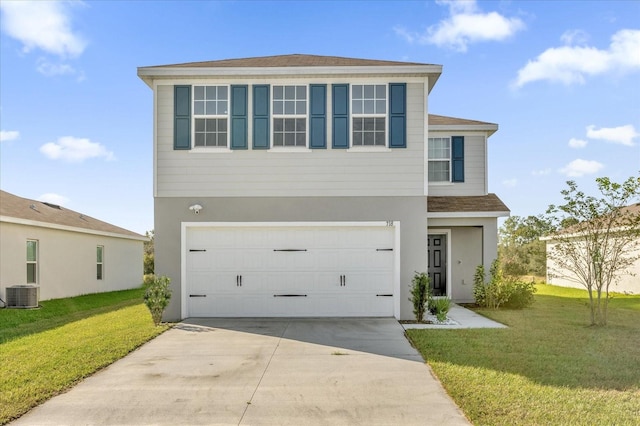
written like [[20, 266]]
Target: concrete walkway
[[262, 372], [460, 318]]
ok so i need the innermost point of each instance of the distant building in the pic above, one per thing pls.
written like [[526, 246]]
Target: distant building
[[64, 252], [627, 283]]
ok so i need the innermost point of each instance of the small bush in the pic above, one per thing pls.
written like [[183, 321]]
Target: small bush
[[420, 295], [441, 307], [157, 296], [521, 295], [500, 290]]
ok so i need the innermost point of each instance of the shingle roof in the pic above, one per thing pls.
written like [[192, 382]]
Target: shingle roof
[[294, 60], [466, 204], [23, 208]]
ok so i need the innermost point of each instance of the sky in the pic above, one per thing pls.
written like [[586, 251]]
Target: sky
[[560, 78]]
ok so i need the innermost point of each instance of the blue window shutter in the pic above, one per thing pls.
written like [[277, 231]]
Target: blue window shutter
[[397, 115], [457, 159], [318, 116], [239, 117], [340, 126], [182, 117], [261, 116]]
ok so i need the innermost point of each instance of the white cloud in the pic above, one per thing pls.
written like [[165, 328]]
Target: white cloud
[[44, 25], [9, 135], [50, 69], [572, 37], [623, 135], [52, 198], [572, 64], [408, 36], [75, 150], [510, 183], [577, 143], [465, 25], [542, 172], [580, 167]]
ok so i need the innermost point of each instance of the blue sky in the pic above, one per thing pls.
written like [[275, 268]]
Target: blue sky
[[561, 78]]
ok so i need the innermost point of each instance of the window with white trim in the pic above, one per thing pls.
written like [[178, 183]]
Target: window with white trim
[[32, 261], [211, 116], [368, 114], [289, 116], [439, 152], [100, 262]]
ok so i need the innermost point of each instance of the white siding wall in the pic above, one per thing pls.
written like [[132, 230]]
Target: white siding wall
[[475, 167], [67, 261], [319, 172], [627, 283]]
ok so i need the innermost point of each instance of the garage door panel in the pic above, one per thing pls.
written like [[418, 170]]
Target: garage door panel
[[257, 271]]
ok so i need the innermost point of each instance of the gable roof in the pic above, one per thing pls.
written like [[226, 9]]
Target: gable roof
[[630, 212], [293, 60], [444, 123], [480, 205], [283, 65], [37, 213]]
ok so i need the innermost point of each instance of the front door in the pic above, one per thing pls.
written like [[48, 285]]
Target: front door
[[437, 269]]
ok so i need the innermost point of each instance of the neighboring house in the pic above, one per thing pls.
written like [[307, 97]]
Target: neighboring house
[[64, 252], [303, 185], [627, 282]]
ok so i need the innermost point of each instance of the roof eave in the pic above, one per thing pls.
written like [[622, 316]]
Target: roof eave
[[449, 215], [149, 74], [49, 225], [488, 127]]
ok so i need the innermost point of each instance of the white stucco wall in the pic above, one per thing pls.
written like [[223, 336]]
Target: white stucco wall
[[67, 261]]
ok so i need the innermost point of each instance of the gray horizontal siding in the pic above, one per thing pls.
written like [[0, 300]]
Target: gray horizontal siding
[[474, 167], [326, 172]]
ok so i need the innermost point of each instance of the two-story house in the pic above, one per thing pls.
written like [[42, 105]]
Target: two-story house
[[303, 185]]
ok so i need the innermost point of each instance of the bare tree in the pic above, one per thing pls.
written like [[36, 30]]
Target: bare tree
[[602, 241]]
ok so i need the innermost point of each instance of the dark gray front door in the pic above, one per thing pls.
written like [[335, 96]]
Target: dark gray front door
[[437, 270]]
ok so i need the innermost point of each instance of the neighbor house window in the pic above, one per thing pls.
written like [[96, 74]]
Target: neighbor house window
[[211, 112], [290, 116], [100, 262], [368, 114], [32, 261], [439, 159]]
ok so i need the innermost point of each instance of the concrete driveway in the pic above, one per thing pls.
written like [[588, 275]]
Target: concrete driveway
[[262, 371]]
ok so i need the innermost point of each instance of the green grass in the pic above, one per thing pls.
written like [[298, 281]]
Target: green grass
[[548, 367], [46, 351]]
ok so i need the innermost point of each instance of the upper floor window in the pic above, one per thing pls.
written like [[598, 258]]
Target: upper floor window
[[446, 159], [32, 261], [99, 262], [211, 111], [439, 159], [369, 114], [290, 116]]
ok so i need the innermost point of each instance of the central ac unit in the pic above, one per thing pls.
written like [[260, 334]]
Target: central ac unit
[[23, 296]]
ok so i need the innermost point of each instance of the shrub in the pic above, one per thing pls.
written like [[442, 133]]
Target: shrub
[[521, 294], [420, 294], [441, 307], [501, 290], [157, 295]]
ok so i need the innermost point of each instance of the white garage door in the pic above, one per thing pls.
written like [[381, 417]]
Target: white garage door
[[275, 271]]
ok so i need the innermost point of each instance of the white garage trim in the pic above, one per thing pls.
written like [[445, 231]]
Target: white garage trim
[[188, 225]]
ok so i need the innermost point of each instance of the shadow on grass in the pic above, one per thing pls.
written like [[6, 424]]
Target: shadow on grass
[[550, 343], [17, 323]]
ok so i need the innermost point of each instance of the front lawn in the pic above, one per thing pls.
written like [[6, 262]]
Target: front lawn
[[46, 351], [548, 367]]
